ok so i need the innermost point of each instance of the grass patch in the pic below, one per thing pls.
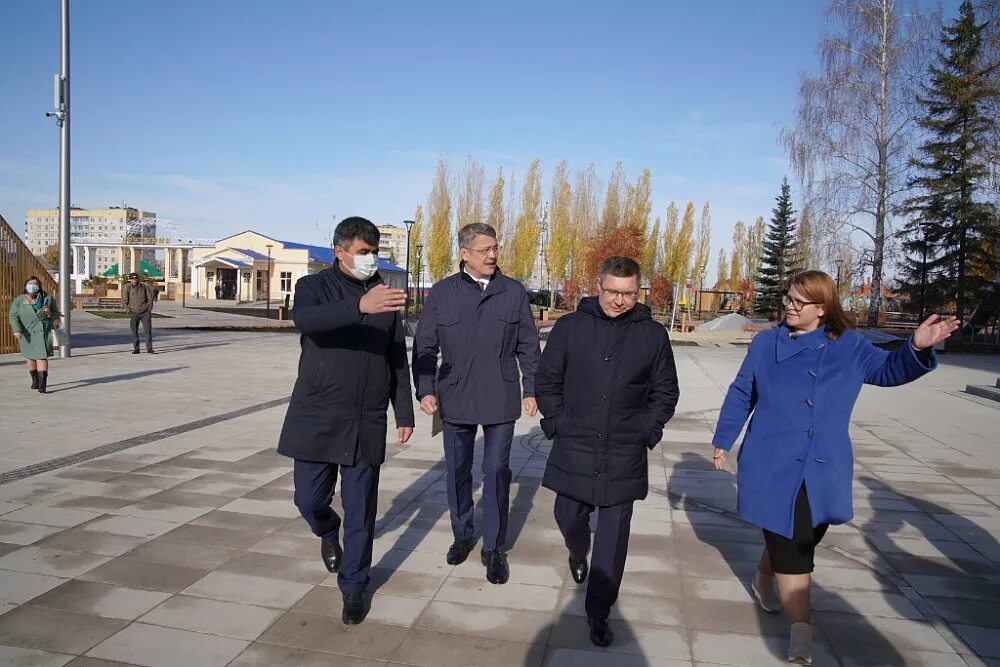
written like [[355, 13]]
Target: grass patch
[[119, 315]]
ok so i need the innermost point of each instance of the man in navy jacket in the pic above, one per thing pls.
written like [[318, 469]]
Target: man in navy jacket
[[606, 385], [480, 322], [353, 364]]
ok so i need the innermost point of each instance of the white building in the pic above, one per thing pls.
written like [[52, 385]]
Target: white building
[[98, 226], [392, 244]]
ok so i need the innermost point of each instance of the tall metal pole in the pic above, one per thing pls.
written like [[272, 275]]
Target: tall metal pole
[[406, 307], [268, 281], [923, 278], [64, 201], [420, 274]]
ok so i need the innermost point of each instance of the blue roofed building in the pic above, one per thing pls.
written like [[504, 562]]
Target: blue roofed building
[[245, 266]]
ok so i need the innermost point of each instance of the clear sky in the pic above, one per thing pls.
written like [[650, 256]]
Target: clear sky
[[223, 115]]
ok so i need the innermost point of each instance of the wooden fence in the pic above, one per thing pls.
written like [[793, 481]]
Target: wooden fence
[[16, 264]]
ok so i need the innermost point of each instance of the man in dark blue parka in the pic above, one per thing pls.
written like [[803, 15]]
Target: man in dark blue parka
[[480, 322], [606, 386], [353, 363]]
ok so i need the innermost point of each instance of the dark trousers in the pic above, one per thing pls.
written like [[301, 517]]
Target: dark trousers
[[314, 488], [146, 319], [459, 449], [607, 564]]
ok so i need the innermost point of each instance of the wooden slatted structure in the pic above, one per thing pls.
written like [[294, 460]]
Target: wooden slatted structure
[[16, 264]]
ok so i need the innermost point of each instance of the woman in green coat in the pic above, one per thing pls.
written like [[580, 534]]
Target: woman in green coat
[[33, 316]]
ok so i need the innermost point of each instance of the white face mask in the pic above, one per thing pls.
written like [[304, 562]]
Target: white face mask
[[365, 266]]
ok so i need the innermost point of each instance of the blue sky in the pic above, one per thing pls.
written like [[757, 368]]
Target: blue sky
[[222, 115]]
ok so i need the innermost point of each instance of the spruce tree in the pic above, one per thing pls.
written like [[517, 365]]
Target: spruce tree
[[949, 214], [779, 254]]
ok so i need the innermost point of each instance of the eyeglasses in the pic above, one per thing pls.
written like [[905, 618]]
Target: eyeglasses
[[797, 304], [483, 252], [615, 294]]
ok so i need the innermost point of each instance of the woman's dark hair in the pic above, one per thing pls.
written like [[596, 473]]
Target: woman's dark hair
[[41, 290], [819, 287]]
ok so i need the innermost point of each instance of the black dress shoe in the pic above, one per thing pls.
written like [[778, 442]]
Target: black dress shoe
[[497, 571], [600, 632], [150, 351], [579, 569], [331, 553], [355, 608], [460, 550], [135, 351]]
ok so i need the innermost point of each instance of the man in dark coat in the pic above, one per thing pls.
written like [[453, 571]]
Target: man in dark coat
[[606, 386], [353, 363], [480, 322]]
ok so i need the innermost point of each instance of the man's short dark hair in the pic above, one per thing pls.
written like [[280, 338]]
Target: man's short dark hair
[[133, 275], [620, 267], [467, 234], [355, 228]]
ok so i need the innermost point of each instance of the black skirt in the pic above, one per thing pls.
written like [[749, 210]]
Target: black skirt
[[795, 555]]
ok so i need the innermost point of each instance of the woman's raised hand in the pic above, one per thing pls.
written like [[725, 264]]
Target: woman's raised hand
[[933, 330]]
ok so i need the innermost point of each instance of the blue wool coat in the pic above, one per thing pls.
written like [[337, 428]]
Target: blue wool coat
[[801, 392]]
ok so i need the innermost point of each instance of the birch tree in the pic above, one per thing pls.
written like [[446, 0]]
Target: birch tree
[[854, 124]]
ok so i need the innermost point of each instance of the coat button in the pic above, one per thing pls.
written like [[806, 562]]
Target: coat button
[[597, 473], [812, 373], [809, 402], [604, 397], [607, 358], [600, 436]]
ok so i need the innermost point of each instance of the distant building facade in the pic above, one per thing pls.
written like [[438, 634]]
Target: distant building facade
[[98, 226], [392, 243], [237, 268]]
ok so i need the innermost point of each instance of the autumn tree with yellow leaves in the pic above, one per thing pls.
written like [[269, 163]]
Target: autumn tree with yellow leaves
[[416, 239], [528, 231], [703, 247], [439, 230], [469, 207], [561, 229]]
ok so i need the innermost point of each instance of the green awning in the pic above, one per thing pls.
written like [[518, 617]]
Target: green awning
[[144, 267]]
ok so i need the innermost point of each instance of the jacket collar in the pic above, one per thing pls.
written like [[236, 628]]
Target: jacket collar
[[787, 346], [496, 285], [592, 306]]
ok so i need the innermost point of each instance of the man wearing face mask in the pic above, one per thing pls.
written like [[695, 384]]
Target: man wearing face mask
[[353, 363], [480, 322]]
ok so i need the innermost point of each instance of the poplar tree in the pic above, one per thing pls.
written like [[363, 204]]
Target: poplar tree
[[439, 231]]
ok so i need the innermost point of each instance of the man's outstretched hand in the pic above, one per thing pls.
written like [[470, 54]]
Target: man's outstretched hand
[[382, 299]]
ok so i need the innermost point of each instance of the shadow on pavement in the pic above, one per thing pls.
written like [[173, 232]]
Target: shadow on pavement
[[107, 379], [965, 590], [724, 531]]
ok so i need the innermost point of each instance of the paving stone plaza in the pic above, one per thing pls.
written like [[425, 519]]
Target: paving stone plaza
[[146, 519]]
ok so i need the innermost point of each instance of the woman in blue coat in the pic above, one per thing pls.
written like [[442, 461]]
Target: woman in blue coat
[[795, 466]]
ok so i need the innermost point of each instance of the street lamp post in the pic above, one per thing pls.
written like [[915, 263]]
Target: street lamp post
[[406, 307], [61, 114], [923, 270], [268, 287], [420, 250]]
